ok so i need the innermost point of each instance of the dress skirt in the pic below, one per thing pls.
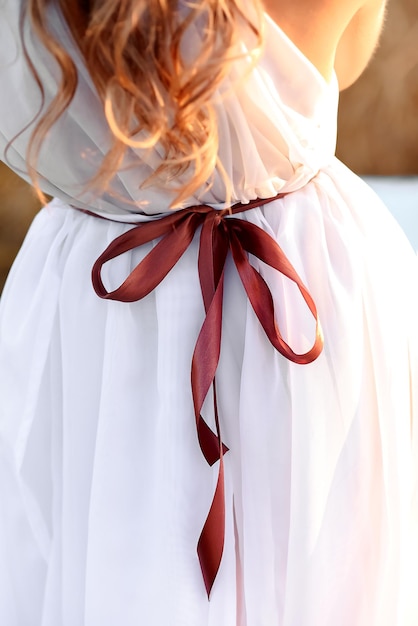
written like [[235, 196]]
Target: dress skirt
[[104, 487]]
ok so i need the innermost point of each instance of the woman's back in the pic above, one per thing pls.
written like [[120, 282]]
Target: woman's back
[[284, 111]]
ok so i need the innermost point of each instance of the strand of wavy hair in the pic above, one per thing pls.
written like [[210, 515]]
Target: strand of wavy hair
[[153, 90]]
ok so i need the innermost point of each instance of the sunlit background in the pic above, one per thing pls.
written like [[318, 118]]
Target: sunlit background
[[378, 135]]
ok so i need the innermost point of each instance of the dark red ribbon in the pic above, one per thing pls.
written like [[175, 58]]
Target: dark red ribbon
[[220, 234]]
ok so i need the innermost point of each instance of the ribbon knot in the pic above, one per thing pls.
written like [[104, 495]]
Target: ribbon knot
[[221, 234]]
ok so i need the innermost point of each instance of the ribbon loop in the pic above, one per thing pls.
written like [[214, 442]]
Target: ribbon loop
[[220, 234], [177, 236], [249, 238]]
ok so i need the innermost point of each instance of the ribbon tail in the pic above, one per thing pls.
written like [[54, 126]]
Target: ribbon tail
[[204, 365], [211, 541], [209, 442], [212, 255], [212, 538]]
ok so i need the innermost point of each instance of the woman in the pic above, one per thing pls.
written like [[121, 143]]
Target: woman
[[119, 505]]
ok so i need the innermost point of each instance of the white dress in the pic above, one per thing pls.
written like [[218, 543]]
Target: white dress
[[103, 486]]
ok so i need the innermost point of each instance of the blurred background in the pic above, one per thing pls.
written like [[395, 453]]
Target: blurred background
[[378, 122], [378, 135]]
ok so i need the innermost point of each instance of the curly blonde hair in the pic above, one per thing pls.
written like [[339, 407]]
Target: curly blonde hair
[[152, 93]]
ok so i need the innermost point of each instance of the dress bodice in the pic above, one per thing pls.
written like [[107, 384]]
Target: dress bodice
[[277, 128]]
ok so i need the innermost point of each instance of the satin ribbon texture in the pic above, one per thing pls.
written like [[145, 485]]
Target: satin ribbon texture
[[221, 234]]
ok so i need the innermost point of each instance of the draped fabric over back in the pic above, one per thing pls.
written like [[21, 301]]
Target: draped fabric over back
[[276, 129]]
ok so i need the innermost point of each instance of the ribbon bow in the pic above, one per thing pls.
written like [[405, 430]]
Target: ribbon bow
[[220, 234]]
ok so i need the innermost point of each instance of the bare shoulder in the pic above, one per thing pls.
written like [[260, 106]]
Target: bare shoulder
[[332, 33], [358, 41]]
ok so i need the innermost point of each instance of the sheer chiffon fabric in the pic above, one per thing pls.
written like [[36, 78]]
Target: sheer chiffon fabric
[[103, 488]]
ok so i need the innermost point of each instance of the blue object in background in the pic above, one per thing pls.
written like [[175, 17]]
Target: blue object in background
[[400, 194]]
